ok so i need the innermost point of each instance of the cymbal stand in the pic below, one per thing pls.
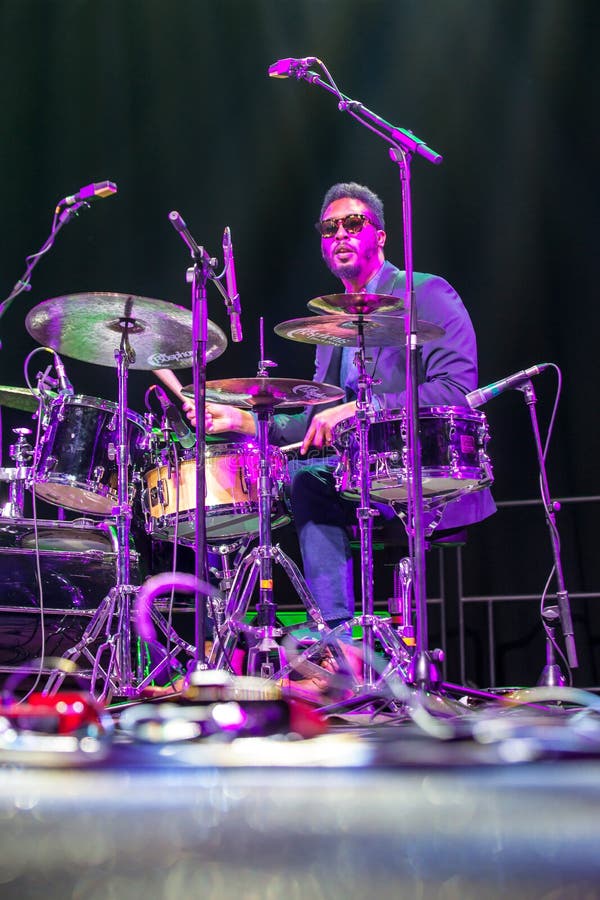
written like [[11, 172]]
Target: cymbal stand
[[266, 658], [117, 676], [117, 673]]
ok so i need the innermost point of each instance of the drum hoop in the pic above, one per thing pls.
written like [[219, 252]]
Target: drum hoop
[[96, 403]]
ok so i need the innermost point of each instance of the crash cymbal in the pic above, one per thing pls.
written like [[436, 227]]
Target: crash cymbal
[[90, 326], [360, 304], [21, 398], [249, 393], [342, 330]]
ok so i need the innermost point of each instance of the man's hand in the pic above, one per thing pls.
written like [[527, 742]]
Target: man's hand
[[320, 430], [219, 418]]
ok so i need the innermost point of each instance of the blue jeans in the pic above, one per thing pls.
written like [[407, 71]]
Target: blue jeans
[[321, 517]]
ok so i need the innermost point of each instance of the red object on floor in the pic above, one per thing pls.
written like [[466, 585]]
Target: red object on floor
[[66, 713]]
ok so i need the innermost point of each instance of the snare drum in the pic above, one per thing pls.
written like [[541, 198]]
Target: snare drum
[[77, 464], [232, 474], [453, 453]]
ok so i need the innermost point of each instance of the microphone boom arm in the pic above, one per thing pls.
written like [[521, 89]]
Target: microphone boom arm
[[407, 140]]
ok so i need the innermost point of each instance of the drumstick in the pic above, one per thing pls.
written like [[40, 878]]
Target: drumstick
[[168, 377], [288, 447]]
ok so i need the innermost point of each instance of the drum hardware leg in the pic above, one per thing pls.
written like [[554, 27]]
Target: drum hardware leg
[[21, 452], [103, 614], [106, 674], [400, 604], [266, 630]]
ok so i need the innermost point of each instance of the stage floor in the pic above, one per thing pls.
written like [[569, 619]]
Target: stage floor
[[510, 809]]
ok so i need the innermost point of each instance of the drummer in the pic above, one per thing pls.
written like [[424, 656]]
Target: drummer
[[352, 235]]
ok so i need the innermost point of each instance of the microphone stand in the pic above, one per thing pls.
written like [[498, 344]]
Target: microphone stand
[[197, 275], [58, 222], [403, 144], [551, 675]]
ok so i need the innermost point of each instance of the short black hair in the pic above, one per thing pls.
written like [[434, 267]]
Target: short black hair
[[357, 192]]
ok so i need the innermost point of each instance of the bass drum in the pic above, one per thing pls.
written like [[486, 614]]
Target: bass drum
[[453, 453], [77, 464], [232, 474], [78, 567]]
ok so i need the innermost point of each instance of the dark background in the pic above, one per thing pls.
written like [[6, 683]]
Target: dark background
[[172, 102]]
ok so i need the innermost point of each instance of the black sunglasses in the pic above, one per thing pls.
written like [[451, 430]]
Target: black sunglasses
[[352, 223]]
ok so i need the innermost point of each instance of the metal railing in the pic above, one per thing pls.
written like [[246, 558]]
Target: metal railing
[[491, 600]]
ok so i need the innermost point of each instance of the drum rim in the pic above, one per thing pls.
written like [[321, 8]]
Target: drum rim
[[399, 413], [100, 404]]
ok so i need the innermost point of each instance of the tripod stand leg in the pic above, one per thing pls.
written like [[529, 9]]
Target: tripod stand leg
[[299, 584], [236, 607], [103, 614]]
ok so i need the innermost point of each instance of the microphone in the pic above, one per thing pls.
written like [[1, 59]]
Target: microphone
[[89, 192], [63, 382], [288, 68], [175, 420], [482, 395], [196, 251], [233, 308]]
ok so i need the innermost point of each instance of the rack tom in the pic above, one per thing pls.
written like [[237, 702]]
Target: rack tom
[[453, 453], [77, 462]]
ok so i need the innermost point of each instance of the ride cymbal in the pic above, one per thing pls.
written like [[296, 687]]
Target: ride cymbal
[[343, 330], [249, 393], [90, 327], [356, 304]]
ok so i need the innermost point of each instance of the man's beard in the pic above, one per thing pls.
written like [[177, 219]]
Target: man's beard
[[343, 270]]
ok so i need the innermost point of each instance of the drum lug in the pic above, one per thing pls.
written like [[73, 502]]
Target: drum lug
[[340, 474], [98, 473], [162, 492], [453, 461], [111, 452], [112, 423], [245, 478]]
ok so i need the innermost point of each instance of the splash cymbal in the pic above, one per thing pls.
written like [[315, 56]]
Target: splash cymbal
[[21, 398], [90, 327], [342, 330], [249, 393], [356, 304]]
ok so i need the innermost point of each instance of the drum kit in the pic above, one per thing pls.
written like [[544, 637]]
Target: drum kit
[[99, 459]]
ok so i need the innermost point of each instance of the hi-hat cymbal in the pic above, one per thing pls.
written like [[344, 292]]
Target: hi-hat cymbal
[[249, 393], [359, 304], [90, 327], [21, 398], [342, 330]]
